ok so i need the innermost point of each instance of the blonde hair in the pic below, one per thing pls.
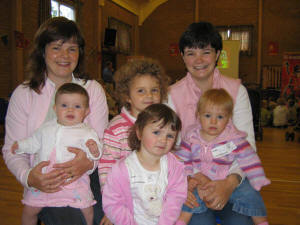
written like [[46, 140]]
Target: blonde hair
[[215, 97], [137, 68]]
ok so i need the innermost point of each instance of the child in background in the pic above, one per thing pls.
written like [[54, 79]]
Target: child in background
[[265, 114], [50, 142], [292, 112], [139, 83], [211, 148], [280, 114], [149, 186], [292, 119]]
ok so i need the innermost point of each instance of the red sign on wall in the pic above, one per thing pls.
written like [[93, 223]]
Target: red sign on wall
[[174, 49], [21, 41], [273, 48], [290, 78]]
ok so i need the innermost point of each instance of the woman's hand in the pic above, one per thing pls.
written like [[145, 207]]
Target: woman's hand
[[75, 168], [105, 221], [201, 178], [45, 182], [219, 192]]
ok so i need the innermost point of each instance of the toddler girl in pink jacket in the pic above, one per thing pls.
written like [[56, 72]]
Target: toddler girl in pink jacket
[[211, 148], [149, 186]]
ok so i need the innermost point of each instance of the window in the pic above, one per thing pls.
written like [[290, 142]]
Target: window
[[242, 33], [62, 8], [123, 38]]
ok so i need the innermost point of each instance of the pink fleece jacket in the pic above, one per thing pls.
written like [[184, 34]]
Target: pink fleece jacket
[[197, 156], [27, 111], [117, 201]]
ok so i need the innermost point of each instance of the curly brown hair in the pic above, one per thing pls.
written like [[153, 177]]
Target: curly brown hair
[[135, 68]]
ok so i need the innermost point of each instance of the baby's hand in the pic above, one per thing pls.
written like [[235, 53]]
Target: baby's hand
[[92, 146], [14, 147], [192, 184]]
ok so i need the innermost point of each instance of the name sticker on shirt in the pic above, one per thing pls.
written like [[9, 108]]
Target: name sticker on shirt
[[223, 150]]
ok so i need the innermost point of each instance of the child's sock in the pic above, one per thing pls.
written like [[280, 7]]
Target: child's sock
[[180, 222], [264, 223]]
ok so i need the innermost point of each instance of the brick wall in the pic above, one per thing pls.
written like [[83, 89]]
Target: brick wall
[[169, 20], [280, 24], [160, 30], [5, 62], [119, 13], [163, 28], [92, 28]]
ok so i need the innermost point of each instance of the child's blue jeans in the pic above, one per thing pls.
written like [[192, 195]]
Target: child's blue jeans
[[244, 200]]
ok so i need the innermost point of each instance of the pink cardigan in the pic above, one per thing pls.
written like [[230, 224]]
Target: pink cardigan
[[197, 154], [27, 111], [117, 201]]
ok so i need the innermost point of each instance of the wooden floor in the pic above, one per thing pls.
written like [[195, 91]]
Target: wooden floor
[[281, 161]]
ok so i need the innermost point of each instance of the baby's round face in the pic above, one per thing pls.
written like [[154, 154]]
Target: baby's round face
[[71, 109], [213, 121]]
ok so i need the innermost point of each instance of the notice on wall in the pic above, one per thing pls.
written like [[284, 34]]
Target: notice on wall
[[228, 63], [290, 76]]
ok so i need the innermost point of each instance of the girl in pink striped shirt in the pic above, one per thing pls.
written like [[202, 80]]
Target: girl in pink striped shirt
[[211, 148], [139, 83]]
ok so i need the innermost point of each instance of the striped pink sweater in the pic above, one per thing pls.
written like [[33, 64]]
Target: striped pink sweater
[[197, 156], [115, 143]]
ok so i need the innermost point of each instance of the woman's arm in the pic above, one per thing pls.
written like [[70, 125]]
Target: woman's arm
[[98, 116], [243, 120], [16, 128], [242, 115]]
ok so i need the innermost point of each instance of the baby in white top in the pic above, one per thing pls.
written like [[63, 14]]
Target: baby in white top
[[50, 143]]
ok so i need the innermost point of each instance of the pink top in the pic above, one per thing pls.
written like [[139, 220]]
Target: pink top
[[185, 96], [27, 110], [231, 145], [117, 200], [115, 143]]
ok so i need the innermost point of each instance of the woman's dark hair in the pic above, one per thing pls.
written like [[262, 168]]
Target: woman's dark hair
[[153, 114], [200, 35], [54, 29]]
